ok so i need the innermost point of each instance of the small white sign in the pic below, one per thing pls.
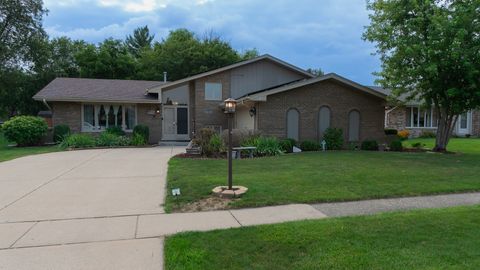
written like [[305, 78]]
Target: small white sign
[[175, 191]]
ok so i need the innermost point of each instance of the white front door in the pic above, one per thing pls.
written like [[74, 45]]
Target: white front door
[[175, 123], [464, 123]]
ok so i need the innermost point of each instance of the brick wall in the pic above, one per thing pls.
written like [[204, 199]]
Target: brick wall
[[154, 122], [67, 113], [307, 100], [209, 112], [397, 118]]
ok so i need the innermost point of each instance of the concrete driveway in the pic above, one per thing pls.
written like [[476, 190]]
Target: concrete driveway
[[80, 209]]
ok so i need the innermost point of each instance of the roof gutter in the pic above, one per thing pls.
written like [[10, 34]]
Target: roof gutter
[[63, 99]]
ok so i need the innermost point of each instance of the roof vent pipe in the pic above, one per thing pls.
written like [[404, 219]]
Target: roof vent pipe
[[164, 76]]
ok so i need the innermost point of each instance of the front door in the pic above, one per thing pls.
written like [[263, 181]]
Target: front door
[[175, 123], [463, 124]]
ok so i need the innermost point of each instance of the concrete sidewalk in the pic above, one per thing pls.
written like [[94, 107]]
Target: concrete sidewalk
[[143, 234]]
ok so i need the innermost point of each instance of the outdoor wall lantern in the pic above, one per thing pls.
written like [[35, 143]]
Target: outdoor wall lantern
[[230, 105]]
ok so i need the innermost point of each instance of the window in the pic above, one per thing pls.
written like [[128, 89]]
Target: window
[[88, 117], [129, 117], [323, 120], [292, 124], [213, 91], [354, 126], [101, 116], [420, 118]]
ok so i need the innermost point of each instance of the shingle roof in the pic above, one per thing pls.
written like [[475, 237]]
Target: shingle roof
[[80, 89]]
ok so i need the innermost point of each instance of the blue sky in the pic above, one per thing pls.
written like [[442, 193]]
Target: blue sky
[[322, 34]]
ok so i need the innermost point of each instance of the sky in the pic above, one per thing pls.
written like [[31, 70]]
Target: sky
[[323, 34]]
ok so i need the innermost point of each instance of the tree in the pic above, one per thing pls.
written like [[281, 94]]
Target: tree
[[430, 52], [315, 71], [20, 29], [140, 40], [183, 54], [110, 60]]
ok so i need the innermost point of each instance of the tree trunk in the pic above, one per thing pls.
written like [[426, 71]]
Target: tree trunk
[[446, 123]]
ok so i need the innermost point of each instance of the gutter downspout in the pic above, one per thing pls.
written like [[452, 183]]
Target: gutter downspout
[[386, 115], [46, 104]]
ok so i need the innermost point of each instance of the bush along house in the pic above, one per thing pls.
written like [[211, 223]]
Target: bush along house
[[274, 97]]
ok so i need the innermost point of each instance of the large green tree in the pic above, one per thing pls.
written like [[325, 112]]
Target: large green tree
[[21, 38], [183, 54], [20, 29], [430, 51], [109, 60], [140, 40]]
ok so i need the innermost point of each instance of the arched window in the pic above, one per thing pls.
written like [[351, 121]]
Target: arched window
[[354, 126], [293, 117], [324, 117]]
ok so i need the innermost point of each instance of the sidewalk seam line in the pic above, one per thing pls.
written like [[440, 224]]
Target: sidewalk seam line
[[83, 242], [25, 233], [136, 228], [241, 225], [80, 218]]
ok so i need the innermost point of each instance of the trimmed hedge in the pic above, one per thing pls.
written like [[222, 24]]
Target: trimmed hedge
[[25, 130], [369, 145], [309, 146], [334, 138], [396, 146]]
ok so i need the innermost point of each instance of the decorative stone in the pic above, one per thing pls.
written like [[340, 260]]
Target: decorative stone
[[296, 150], [224, 192]]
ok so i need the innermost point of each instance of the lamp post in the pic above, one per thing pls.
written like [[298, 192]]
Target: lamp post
[[230, 105]]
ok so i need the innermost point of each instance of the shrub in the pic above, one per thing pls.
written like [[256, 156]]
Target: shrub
[[25, 130], [124, 141], [203, 140], [427, 134], [239, 136], [215, 145], [396, 146], [60, 132], [287, 145], [369, 145], [78, 141], [334, 138], [403, 134], [353, 146], [309, 146], [138, 140], [391, 131], [144, 131], [267, 146], [111, 140], [116, 130]]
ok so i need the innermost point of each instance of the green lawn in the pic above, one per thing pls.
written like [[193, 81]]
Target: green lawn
[[424, 239], [331, 176], [8, 152]]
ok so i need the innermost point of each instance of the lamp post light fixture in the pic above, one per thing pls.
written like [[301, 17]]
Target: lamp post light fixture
[[230, 105]]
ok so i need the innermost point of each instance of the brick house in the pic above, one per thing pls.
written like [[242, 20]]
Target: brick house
[[274, 97], [417, 119]]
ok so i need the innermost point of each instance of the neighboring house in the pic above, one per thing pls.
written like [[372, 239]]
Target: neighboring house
[[274, 97], [417, 119]]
